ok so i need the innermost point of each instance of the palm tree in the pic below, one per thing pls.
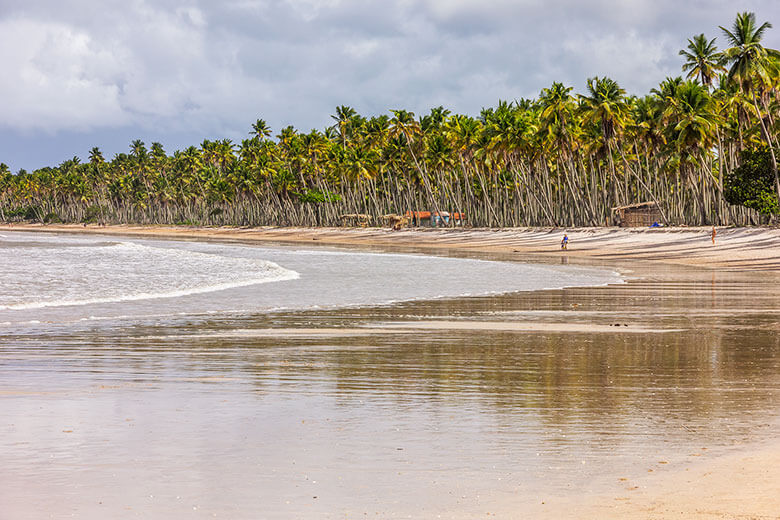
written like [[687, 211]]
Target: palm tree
[[752, 66], [702, 60], [96, 156], [343, 118], [748, 60], [692, 123], [605, 104], [558, 108], [138, 150], [434, 120], [158, 152], [260, 129]]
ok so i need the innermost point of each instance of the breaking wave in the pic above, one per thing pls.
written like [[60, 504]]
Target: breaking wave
[[127, 271]]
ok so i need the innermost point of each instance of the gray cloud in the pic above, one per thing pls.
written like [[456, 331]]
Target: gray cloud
[[103, 73]]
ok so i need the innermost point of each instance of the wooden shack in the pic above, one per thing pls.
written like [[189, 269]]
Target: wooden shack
[[642, 214]]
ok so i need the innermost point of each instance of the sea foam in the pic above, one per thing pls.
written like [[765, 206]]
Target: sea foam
[[127, 271]]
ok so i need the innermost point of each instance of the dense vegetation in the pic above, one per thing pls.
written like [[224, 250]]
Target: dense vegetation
[[559, 160]]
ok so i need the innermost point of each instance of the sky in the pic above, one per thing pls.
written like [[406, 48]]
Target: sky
[[83, 73]]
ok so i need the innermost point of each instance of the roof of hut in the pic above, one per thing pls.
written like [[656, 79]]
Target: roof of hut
[[638, 205]]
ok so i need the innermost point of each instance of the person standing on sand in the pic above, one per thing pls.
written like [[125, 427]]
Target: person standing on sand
[[564, 241], [713, 235]]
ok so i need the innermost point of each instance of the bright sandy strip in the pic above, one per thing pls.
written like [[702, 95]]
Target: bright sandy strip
[[416, 327], [743, 485], [735, 248], [522, 326]]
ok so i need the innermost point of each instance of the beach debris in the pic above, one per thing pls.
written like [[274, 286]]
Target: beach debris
[[395, 222], [355, 220]]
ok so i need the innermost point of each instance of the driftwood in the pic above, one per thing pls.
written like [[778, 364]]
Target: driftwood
[[396, 222], [356, 219]]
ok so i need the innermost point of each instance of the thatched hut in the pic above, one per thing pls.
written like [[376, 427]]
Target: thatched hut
[[643, 214]]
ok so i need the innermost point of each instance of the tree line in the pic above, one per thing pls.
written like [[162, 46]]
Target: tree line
[[561, 159]]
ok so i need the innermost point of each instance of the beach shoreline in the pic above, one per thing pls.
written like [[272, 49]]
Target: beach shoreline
[[740, 484], [741, 249]]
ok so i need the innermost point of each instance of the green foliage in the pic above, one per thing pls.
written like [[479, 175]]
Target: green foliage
[[317, 196], [93, 213], [51, 218], [752, 184], [187, 222], [31, 212]]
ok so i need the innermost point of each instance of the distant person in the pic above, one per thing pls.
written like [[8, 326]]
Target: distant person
[[564, 241], [713, 234]]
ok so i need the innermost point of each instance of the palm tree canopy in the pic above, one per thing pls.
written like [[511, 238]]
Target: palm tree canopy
[[749, 60], [260, 129], [702, 59], [605, 103]]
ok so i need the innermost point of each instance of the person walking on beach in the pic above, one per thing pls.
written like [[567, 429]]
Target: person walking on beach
[[564, 241], [713, 235]]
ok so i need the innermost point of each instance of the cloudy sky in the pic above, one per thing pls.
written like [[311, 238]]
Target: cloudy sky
[[84, 73]]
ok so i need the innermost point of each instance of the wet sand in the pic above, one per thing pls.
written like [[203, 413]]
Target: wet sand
[[743, 482], [755, 249]]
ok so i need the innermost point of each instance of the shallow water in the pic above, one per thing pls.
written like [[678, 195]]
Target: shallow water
[[62, 279], [331, 413]]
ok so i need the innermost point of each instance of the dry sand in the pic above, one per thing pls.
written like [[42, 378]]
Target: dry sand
[[741, 485]]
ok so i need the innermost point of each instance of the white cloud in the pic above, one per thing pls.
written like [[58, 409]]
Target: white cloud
[[153, 68], [56, 77], [447, 8], [192, 15], [310, 9], [634, 62], [361, 48]]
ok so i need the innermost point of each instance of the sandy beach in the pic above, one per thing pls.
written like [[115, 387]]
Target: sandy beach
[[754, 249], [744, 483]]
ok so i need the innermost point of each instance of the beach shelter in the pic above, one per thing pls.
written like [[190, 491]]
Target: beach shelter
[[642, 214]]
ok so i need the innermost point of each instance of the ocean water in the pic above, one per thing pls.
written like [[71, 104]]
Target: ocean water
[[59, 279], [174, 379]]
